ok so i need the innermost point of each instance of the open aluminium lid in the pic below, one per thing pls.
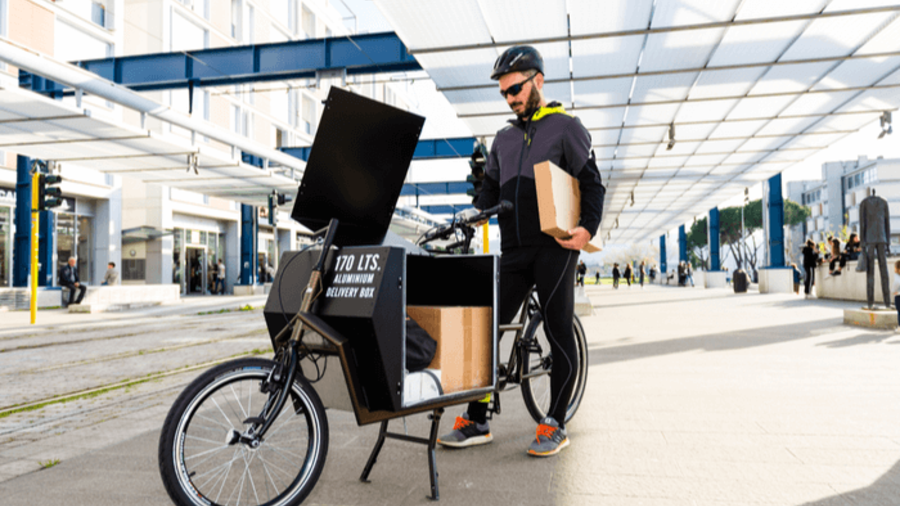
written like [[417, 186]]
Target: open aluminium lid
[[356, 167]]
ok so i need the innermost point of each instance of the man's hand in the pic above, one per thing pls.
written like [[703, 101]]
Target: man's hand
[[578, 240], [469, 214]]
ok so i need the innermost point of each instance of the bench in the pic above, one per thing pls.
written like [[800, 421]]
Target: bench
[[122, 297]]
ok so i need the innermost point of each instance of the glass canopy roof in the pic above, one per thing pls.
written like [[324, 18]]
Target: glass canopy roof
[[751, 87]]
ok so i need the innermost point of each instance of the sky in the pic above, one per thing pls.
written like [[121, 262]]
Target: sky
[[441, 121]]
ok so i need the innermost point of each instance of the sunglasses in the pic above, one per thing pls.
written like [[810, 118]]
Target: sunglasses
[[516, 88]]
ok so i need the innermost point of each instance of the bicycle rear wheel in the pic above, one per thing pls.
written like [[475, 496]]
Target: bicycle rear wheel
[[536, 358], [203, 460]]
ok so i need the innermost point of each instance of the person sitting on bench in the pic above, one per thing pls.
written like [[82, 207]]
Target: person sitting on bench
[[68, 277]]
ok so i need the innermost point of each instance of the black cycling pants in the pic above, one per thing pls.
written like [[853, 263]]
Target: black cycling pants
[[552, 271], [810, 279]]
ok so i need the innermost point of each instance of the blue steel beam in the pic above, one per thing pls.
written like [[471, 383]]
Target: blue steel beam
[[713, 229], [662, 254], [446, 188], [373, 53], [682, 245], [426, 149], [22, 245], [460, 147], [776, 222]]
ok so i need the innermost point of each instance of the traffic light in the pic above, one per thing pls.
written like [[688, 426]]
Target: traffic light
[[273, 208], [49, 195], [276, 199], [477, 162]]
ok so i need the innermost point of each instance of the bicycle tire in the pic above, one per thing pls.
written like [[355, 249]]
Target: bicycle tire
[[197, 421], [536, 391]]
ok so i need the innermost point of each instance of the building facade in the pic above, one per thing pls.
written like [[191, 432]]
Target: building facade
[[834, 200], [157, 234]]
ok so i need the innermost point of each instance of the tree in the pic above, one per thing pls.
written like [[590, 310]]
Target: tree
[[794, 214], [697, 241], [744, 252]]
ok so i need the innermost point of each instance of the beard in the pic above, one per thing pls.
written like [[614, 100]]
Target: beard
[[531, 104]]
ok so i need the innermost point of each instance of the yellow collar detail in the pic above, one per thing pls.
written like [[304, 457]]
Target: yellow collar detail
[[546, 111]]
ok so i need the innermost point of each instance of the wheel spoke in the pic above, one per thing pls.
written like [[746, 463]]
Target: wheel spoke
[[239, 401], [213, 421], [219, 472], [206, 452], [210, 441], [269, 475], [223, 414], [282, 425]]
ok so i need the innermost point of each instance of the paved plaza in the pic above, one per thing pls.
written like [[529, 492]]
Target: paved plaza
[[695, 397]]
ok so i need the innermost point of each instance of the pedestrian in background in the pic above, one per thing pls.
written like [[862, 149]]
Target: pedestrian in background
[[597, 274], [837, 258], [112, 276], [688, 273], [796, 279], [581, 272], [68, 277], [852, 249], [628, 274], [641, 273], [810, 260], [616, 276], [220, 278], [896, 285]]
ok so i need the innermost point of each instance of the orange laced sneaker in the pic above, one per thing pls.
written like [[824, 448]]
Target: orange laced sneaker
[[549, 439], [466, 433]]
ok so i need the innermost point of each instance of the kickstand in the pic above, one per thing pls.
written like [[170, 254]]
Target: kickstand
[[431, 442]]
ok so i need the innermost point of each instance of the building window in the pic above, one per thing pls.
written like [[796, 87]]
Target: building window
[[98, 14], [74, 238], [134, 269], [235, 19], [309, 115], [309, 23]]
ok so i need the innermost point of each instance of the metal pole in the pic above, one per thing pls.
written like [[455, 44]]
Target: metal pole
[[35, 222]]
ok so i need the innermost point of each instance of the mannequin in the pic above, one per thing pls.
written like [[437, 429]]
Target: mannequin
[[874, 234]]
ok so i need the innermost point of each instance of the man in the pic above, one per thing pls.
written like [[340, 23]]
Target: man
[[112, 276], [220, 278], [68, 277], [542, 131]]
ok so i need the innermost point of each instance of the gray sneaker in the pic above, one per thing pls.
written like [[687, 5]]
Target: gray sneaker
[[550, 439], [467, 433]]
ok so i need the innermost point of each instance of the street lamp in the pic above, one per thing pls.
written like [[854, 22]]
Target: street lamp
[[743, 239]]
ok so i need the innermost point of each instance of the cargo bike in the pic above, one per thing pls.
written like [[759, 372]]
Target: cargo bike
[[254, 430]]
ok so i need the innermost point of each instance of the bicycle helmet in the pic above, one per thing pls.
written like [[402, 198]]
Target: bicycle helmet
[[517, 59]]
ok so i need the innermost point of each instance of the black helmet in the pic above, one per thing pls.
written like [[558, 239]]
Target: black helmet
[[517, 59]]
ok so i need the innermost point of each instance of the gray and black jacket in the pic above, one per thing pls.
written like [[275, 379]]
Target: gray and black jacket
[[548, 134]]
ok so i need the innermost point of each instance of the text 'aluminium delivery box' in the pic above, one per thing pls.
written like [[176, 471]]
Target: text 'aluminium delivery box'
[[463, 336], [559, 203]]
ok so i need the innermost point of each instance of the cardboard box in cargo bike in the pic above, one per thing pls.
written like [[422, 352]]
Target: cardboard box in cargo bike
[[559, 203], [355, 173]]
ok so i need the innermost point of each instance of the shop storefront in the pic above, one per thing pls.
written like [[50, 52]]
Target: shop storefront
[[195, 256], [75, 237]]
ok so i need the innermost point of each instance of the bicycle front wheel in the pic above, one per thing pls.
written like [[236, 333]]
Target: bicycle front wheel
[[537, 362], [204, 461]]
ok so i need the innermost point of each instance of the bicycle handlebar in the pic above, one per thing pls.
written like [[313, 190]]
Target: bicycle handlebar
[[444, 231]]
